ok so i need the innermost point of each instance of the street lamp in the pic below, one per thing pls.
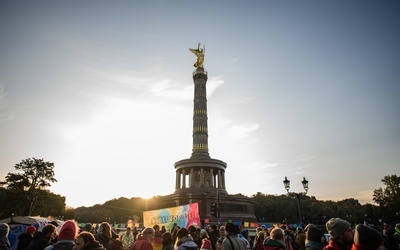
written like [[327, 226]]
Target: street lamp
[[286, 182]]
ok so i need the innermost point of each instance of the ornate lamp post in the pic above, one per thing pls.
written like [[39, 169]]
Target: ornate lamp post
[[286, 182]]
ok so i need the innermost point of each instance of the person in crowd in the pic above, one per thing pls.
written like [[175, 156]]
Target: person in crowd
[[367, 238], [66, 237], [167, 241], [86, 241], [4, 231], [174, 234], [195, 233], [300, 238], [314, 237], [135, 233], [232, 240], [184, 240], [163, 230], [276, 240], [242, 237], [143, 241], [289, 238], [341, 234], [259, 239], [88, 228], [104, 235], [213, 234], [127, 239], [42, 239], [116, 243], [157, 240], [393, 237], [218, 245], [26, 237], [36, 225], [205, 242]]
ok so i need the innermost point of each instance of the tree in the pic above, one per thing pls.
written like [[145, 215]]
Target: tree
[[36, 175], [389, 197]]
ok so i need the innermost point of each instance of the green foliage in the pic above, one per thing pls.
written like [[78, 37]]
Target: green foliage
[[34, 176], [389, 197], [273, 208]]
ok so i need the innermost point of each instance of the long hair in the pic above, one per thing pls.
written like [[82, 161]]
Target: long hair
[[105, 228]]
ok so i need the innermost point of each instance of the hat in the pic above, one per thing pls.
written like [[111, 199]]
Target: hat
[[68, 231], [4, 229], [367, 236], [182, 232], [245, 233], [230, 227], [54, 223], [148, 230], [36, 224], [30, 230], [277, 233], [313, 233], [337, 227]]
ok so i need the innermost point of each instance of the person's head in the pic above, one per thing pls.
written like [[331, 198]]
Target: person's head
[[128, 230], [339, 230], [166, 238], [68, 230], [49, 231], [30, 230], [182, 233], [36, 225], [105, 228], [156, 228], [203, 234], [230, 228], [4, 229], [313, 233], [245, 233], [83, 239], [222, 231], [277, 233], [148, 233], [368, 238], [88, 227]]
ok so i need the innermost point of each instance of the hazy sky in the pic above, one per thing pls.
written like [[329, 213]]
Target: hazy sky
[[104, 90]]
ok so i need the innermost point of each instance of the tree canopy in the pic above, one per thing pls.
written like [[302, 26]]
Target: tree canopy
[[34, 176]]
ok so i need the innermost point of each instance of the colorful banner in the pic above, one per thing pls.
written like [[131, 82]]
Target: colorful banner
[[183, 216]]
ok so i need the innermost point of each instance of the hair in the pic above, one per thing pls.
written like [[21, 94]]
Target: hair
[[277, 233], [167, 238], [49, 228], [86, 236], [148, 230], [106, 229]]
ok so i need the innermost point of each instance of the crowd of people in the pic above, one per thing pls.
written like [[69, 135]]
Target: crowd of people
[[230, 236]]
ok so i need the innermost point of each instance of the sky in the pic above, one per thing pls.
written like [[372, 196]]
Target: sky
[[104, 90]]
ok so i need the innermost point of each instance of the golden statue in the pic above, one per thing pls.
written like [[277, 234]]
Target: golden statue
[[199, 52]]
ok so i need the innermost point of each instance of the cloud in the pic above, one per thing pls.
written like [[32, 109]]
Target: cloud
[[238, 132]]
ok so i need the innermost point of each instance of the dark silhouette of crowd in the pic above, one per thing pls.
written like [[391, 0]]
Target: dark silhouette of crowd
[[338, 234]]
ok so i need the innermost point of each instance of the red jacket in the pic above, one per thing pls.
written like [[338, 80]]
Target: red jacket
[[332, 245], [141, 243]]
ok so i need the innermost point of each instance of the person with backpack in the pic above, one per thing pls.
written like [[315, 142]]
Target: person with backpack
[[66, 237]]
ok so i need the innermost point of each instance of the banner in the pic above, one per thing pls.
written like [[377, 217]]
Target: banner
[[183, 216]]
